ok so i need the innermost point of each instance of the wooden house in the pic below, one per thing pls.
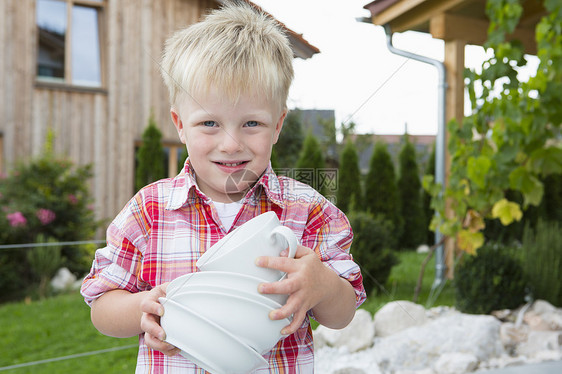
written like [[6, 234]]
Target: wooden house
[[89, 70]]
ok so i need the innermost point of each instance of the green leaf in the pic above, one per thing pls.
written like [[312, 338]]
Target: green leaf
[[528, 184], [477, 169], [547, 160], [470, 241], [506, 211]]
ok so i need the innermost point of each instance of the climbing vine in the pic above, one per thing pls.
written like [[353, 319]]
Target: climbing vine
[[512, 139]]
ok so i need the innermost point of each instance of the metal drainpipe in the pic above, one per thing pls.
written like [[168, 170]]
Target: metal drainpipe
[[439, 143]]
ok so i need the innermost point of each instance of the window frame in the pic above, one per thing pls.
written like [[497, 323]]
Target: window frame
[[66, 82]]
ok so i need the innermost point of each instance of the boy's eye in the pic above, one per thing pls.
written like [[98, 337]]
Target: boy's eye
[[209, 123], [251, 124]]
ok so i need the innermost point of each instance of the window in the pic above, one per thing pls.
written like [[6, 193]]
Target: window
[[69, 42]]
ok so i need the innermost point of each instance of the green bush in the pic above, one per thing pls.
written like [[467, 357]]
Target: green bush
[[371, 248], [47, 198], [288, 147], [493, 279], [426, 199], [381, 192], [542, 254], [310, 162], [349, 179], [151, 158], [410, 203]]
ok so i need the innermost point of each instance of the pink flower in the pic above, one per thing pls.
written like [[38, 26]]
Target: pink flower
[[16, 219], [46, 216], [73, 199]]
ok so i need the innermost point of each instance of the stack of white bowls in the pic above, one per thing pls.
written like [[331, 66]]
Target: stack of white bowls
[[216, 316]]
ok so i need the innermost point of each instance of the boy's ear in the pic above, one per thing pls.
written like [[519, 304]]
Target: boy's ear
[[178, 123], [279, 126]]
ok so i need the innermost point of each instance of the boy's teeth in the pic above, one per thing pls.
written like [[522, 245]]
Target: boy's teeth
[[231, 164]]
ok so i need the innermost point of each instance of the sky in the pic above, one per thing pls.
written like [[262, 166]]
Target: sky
[[356, 75]]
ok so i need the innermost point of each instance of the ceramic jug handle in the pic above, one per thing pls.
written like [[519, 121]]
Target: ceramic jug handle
[[290, 238]]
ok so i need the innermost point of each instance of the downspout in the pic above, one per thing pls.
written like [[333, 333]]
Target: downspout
[[439, 144]]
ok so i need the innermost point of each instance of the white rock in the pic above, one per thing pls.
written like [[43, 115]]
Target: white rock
[[454, 363], [328, 360], [542, 306], [424, 248], [502, 361], [420, 347], [63, 280], [511, 334], [553, 320], [359, 334], [397, 316], [350, 371], [422, 371], [535, 321], [440, 311], [540, 341], [548, 355]]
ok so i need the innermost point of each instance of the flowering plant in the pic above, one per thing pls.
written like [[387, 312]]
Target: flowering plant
[[45, 198]]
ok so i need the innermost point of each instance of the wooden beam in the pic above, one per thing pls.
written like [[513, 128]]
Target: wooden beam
[[396, 10], [407, 15], [454, 109], [475, 31]]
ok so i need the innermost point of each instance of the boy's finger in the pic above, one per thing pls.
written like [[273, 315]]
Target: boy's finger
[[159, 345], [278, 263], [302, 251], [294, 325], [152, 307]]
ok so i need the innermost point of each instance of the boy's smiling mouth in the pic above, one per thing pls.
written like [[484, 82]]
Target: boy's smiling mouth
[[231, 164]]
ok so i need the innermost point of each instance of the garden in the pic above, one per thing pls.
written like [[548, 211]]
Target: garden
[[502, 206]]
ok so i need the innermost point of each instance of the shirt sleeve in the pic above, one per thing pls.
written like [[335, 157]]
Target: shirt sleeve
[[329, 234], [118, 265]]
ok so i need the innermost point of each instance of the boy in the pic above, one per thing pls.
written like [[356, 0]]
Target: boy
[[228, 78]]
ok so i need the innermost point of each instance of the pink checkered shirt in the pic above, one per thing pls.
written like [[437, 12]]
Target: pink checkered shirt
[[164, 229]]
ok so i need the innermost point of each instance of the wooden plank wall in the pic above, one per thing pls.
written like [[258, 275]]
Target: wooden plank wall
[[99, 126]]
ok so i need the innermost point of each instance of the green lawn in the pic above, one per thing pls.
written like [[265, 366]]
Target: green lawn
[[60, 326], [55, 327], [402, 282]]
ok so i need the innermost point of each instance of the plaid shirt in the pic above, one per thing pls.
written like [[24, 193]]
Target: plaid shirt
[[164, 229]]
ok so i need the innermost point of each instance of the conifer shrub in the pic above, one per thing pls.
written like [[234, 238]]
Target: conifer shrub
[[290, 143], [381, 194], [349, 179], [492, 279], [426, 199], [150, 156], [372, 246], [310, 163], [409, 191]]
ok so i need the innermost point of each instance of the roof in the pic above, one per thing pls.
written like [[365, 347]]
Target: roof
[[452, 19], [300, 46]]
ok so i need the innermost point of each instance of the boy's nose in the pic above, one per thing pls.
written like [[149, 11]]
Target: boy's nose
[[230, 143]]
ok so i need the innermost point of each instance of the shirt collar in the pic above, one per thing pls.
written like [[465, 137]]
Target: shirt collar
[[184, 189]]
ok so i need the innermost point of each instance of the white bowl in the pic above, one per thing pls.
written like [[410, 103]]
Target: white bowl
[[205, 343], [224, 279], [245, 318], [263, 235], [254, 296]]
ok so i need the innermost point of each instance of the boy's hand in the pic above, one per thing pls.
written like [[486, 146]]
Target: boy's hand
[[306, 284], [152, 310]]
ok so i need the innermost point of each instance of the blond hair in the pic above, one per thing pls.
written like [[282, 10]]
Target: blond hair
[[237, 49]]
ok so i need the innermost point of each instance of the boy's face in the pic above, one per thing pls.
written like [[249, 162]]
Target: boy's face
[[229, 144]]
